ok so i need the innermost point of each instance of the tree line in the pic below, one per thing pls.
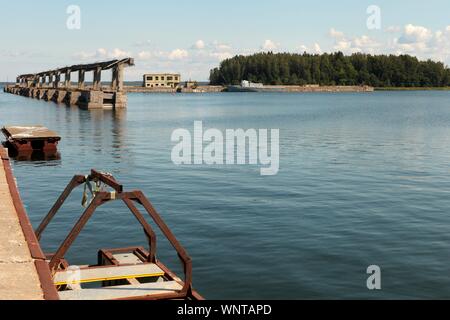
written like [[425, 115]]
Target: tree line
[[332, 69]]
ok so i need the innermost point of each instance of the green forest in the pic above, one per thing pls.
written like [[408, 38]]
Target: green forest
[[332, 69]]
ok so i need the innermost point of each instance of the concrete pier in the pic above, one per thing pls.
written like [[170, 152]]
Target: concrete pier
[[24, 272], [49, 86]]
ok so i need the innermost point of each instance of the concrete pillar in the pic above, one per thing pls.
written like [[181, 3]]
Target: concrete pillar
[[114, 78], [81, 74], [120, 79], [57, 79], [67, 78], [60, 96], [49, 95], [43, 80], [117, 78], [50, 80], [73, 97], [120, 100], [98, 78], [91, 99]]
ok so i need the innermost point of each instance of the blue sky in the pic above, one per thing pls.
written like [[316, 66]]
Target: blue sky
[[191, 37]]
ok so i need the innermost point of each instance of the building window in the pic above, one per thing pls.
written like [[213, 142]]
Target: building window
[[162, 78], [169, 78], [156, 78], [176, 78]]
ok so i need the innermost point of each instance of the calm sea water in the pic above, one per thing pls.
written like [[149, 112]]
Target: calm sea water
[[364, 179]]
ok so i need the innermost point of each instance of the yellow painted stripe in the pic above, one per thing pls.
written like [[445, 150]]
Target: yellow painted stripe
[[112, 278]]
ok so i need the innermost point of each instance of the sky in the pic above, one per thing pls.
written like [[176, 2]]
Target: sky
[[192, 37]]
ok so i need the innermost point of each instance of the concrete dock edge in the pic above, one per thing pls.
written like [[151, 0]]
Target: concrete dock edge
[[41, 265]]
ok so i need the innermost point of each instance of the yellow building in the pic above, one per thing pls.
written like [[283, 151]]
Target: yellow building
[[162, 80]]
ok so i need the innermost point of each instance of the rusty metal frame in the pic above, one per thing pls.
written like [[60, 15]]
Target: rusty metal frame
[[129, 198]]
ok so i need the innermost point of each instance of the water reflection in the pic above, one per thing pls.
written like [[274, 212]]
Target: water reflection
[[118, 131], [52, 158]]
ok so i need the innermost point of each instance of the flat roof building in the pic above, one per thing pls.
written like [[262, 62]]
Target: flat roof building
[[162, 80]]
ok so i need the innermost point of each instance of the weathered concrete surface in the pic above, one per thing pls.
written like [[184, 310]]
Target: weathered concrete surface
[[47, 85], [19, 279]]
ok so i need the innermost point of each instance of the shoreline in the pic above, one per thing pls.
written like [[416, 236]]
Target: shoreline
[[268, 88], [283, 89], [412, 88]]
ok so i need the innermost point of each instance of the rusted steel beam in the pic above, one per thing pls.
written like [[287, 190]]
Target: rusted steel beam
[[139, 252], [64, 247], [147, 228], [75, 182], [186, 259], [108, 180], [106, 254], [46, 280]]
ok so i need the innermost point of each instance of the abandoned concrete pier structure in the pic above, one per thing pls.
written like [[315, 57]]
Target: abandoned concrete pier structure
[[49, 87]]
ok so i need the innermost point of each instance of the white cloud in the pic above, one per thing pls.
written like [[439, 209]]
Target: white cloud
[[220, 56], [302, 48], [102, 53], [219, 51], [314, 49], [317, 48], [393, 29], [353, 45], [410, 39], [424, 43], [365, 42], [178, 54], [415, 34], [336, 34], [145, 43], [218, 46], [145, 55], [199, 45], [119, 54], [343, 45], [270, 45], [17, 54]]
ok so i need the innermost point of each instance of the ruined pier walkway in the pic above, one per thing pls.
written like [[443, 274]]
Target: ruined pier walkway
[[48, 86], [24, 273]]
